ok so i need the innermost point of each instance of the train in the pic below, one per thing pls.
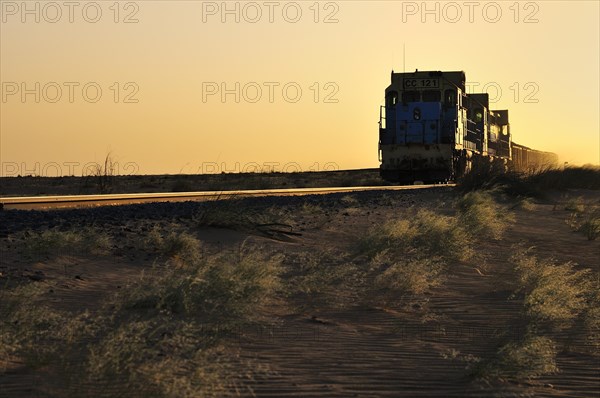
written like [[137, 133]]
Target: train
[[431, 130]]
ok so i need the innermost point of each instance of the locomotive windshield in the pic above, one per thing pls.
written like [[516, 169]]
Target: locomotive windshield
[[431, 96], [411, 96]]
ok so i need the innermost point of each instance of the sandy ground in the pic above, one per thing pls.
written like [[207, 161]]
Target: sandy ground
[[419, 346]]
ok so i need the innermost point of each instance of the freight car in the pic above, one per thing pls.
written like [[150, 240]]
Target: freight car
[[432, 130]]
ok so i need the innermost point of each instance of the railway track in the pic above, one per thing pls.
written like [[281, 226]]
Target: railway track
[[72, 201]]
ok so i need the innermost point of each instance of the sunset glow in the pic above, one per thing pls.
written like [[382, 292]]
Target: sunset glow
[[192, 86]]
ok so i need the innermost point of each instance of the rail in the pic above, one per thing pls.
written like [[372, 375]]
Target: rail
[[70, 201]]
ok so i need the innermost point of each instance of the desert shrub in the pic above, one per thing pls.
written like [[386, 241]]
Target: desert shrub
[[220, 213], [528, 357], [24, 323], [575, 205], [397, 234], [485, 175], [553, 296], [36, 332], [490, 175], [482, 215], [171, 320], [157, 357], [590, 227], [54, 243], [576, 177], [160, 336], [103, 176], [407, 276], [152, 241], [179, 249], [552, 293], [584, 219], [442, 236], [526, 204], [407, 256], [436, 234], [221, 287]]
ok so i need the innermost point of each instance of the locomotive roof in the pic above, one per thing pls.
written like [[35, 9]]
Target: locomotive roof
[[455, 77]]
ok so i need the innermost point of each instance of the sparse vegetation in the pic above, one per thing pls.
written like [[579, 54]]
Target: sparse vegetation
[[25, 324], [482, 215], [160, 336], [56, 243], [485, 175], [530, 356], [552, 293], [103, 175], [223, 286], [436, 234], [554, 296], [526, 204], [570, 177], [584, 218], [410, 253], [173, 332], [407, 276], [180, 249]]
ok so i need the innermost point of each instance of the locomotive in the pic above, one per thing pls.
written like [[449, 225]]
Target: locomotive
[[431, 130]]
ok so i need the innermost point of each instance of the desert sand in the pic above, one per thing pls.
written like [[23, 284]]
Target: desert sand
[[332, 326]]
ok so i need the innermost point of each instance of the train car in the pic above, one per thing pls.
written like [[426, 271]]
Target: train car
[[431, 130], [528, 160]]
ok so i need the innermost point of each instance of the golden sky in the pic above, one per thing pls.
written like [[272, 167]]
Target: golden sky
[[303, 80]]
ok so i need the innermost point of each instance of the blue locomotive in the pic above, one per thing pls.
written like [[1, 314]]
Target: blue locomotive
[[431, 130]]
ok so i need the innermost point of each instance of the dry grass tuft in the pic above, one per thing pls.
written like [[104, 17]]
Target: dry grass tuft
[[529, 357], [160, 336], [178, 249], [407, 276], [428, 232], [584, 218], [482, 215], [553, 294], [54, 243], [485, 175]]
